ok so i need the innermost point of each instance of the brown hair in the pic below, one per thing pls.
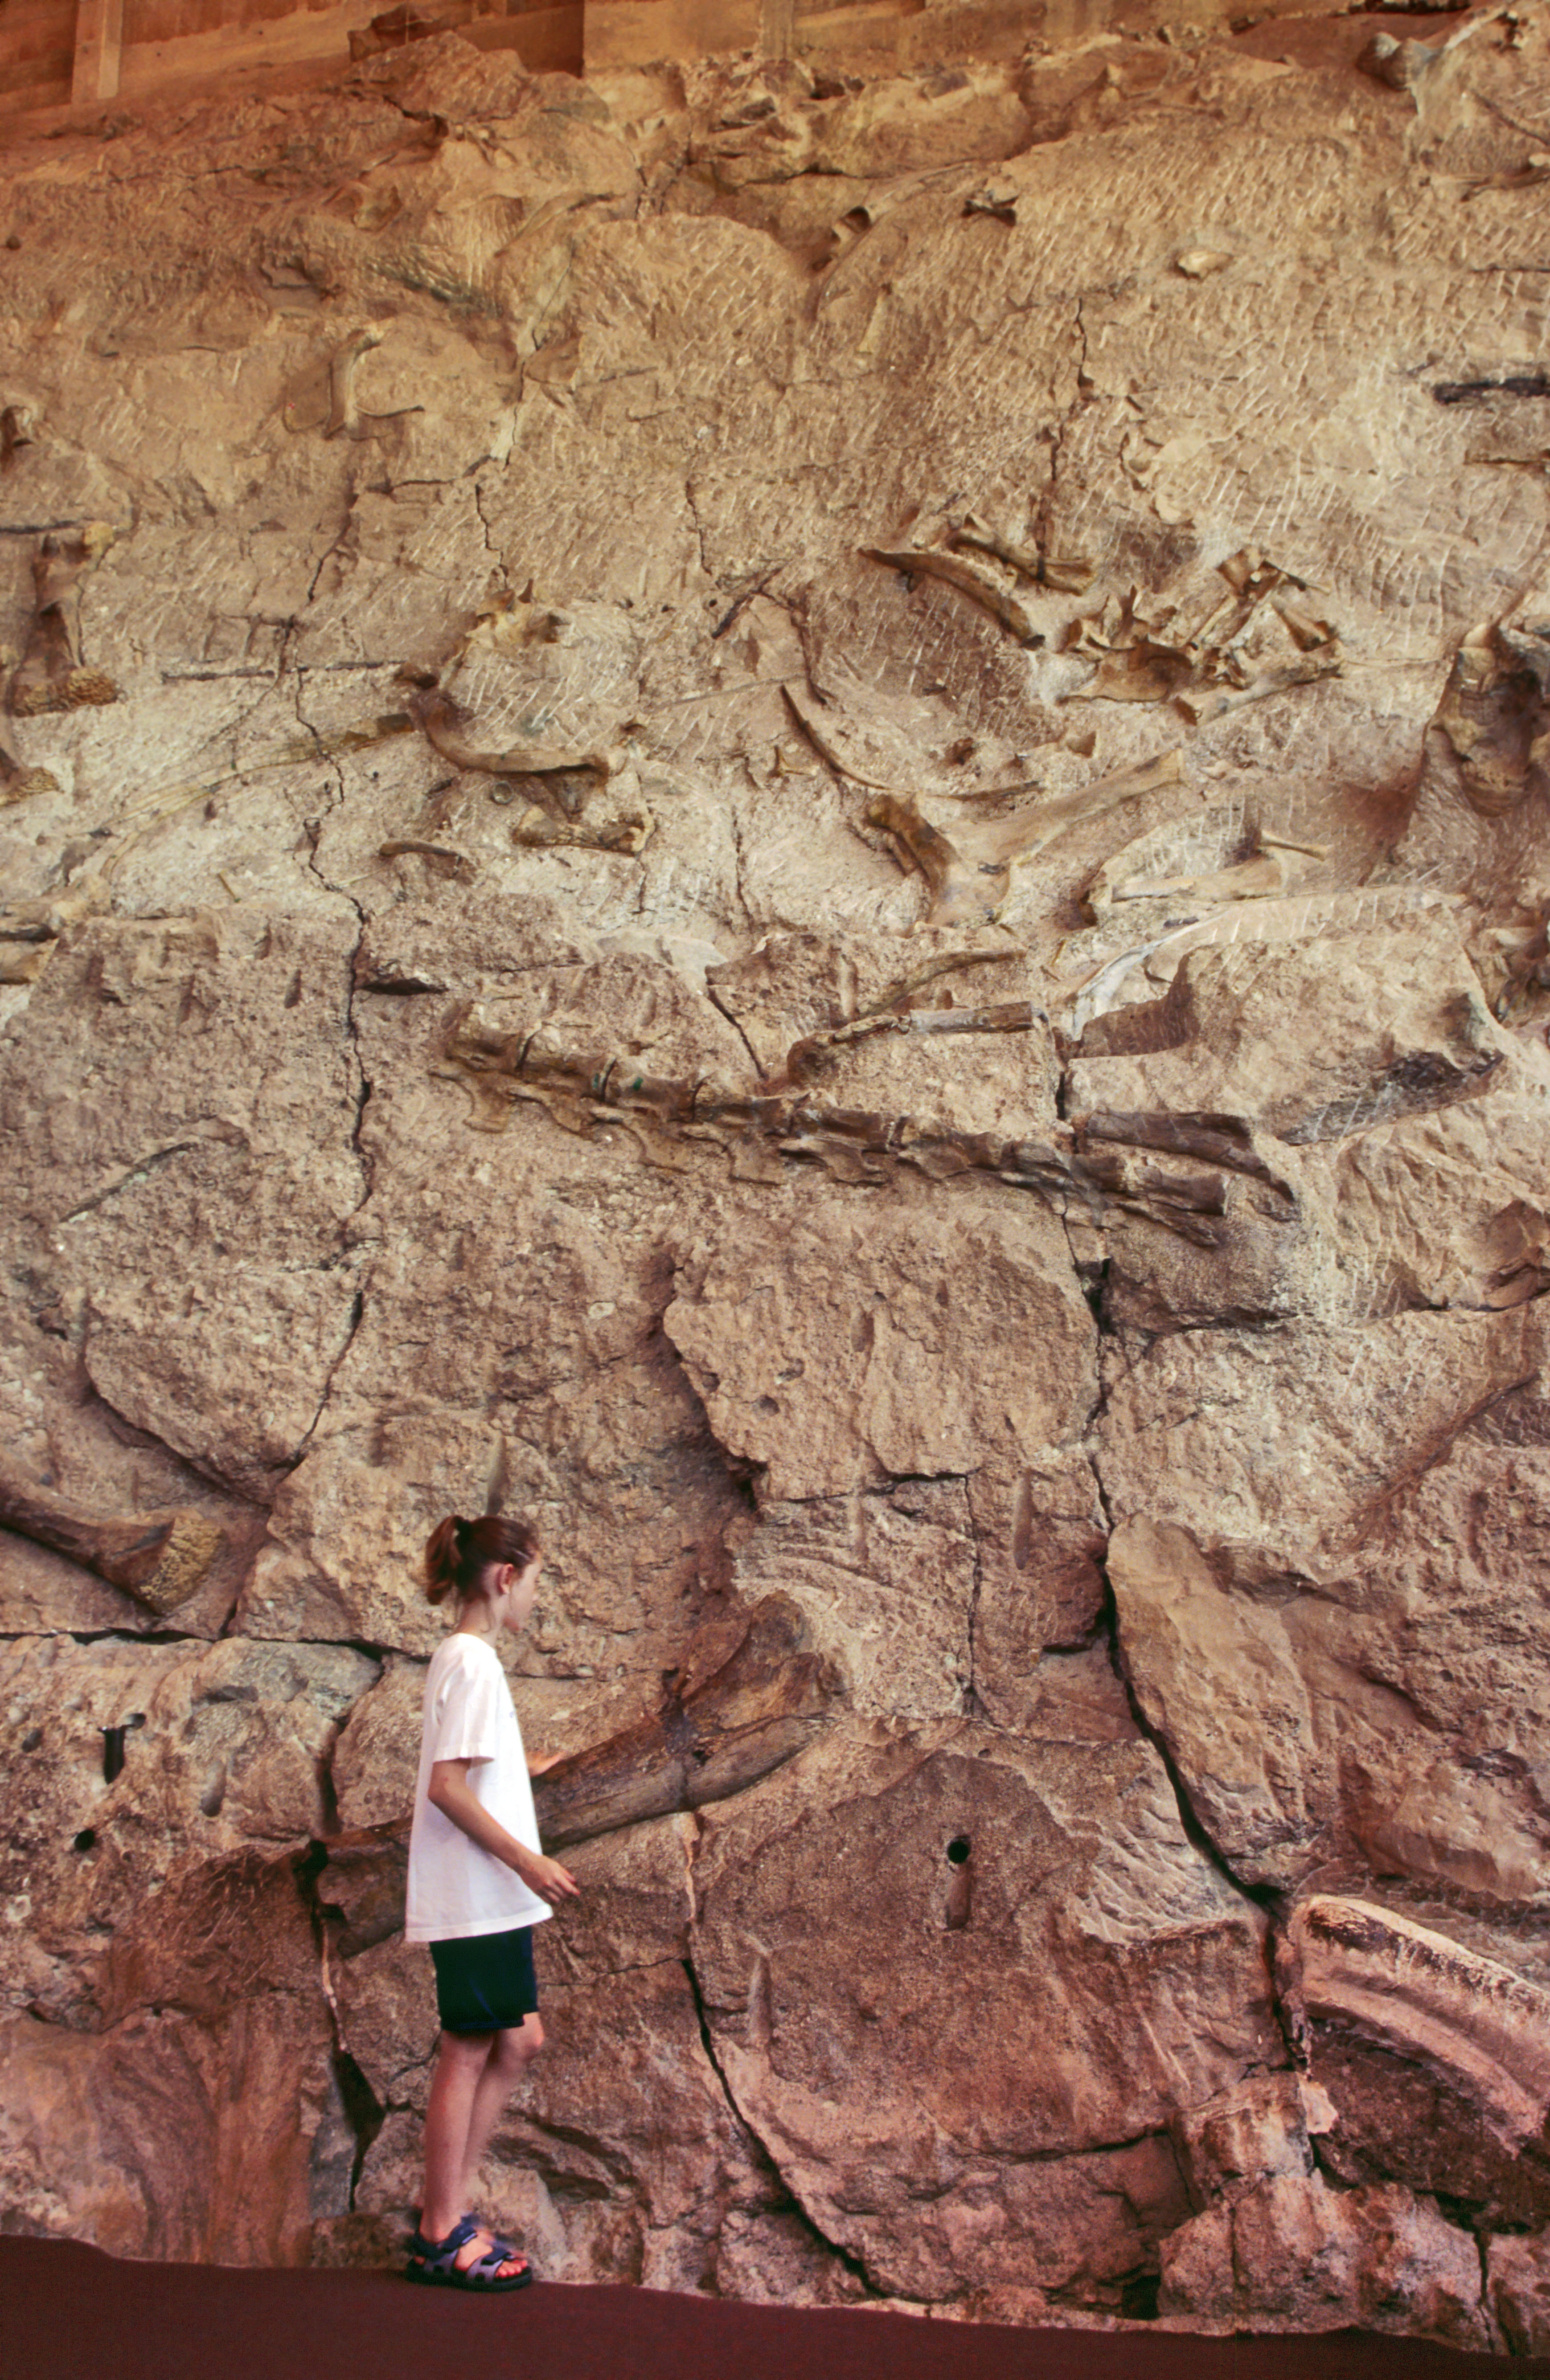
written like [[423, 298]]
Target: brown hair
[[459, 1552]]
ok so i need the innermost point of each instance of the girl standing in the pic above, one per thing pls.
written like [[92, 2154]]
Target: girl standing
[[475, 1890]]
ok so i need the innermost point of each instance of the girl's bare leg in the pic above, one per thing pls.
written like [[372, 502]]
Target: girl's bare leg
[[474, 2077], [512, 2052]]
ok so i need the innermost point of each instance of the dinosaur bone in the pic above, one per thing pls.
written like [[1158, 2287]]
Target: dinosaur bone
[[1495, 714], [962, 893], [159, 1558], [19, 427], [28, 930], [969, 878], [17, 781], [668, 1117], [709, 1738], [50, 676], [970, 578], [438, 715], [344, 410], [1072, 576]]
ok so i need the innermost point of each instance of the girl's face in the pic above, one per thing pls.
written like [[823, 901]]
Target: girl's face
[[519, 1592]]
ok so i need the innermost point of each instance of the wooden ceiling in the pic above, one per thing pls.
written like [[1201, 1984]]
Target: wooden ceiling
[[71, 59]]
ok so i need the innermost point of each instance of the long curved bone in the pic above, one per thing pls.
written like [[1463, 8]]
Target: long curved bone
[[344, 409], [979, 584], [437, 714], [160, 1558]]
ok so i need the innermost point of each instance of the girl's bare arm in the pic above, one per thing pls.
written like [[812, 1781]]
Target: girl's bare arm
[[452, 1795]]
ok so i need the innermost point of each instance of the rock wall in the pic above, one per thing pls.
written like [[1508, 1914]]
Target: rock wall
[[800, 821]]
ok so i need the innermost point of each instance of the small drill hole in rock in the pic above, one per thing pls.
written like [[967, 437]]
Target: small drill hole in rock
[[86, 1838], [958, 1850]]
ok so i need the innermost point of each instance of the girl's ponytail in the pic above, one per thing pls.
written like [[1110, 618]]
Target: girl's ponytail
[[459, 1553], [444, 1556]]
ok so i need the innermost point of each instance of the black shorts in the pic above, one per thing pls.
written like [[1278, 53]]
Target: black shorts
[[485, 1982]]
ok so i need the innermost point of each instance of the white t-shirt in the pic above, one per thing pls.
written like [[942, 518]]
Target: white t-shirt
[[456, 1888]]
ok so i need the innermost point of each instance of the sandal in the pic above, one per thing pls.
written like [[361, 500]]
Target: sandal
[[435, 2262], [508, 2247]]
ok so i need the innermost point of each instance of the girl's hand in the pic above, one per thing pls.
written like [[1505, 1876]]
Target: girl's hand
[[547, 1877], [541, 1766]]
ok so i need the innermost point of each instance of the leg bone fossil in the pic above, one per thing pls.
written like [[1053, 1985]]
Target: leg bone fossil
[[160, 1558], [50, 676]]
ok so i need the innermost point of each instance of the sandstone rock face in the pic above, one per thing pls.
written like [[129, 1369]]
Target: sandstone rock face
[[800, 821]]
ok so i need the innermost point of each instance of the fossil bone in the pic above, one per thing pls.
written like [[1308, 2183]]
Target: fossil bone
[[17, 781], [962, 893], [969, 878], [780, 1121], [344, 409], [50, 676], [1146, 654], [28, 930], [1250, 880], [537, 831], [1072, 576], [19, 427], [970, 578], [1495, 714], [160, 1558], [712, 1736], [438, 857], [1214, 703], [437, 714]]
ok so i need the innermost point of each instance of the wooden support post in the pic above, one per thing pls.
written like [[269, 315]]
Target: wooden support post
[[777, 29], [99, 46]]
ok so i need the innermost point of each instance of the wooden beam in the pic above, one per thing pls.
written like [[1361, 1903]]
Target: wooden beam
[[777, 29], [99, 48]]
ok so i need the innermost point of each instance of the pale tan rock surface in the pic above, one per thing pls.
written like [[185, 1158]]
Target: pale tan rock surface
[[799, 819]]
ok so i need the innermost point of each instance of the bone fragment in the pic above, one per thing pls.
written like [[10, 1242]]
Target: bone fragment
[[1199, 263], [961, 892], [438, 857], [160, 1558], [344, 412], [28, 930], [1201, 704], [1284, 842], [1252, 879], [981, 586], [17, 781], [536, 831], [710, 1738], [1072, 576], [438, 716], [1434, 2002], [19, 427], [997, 199], [1495, 712], [50, 676]]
